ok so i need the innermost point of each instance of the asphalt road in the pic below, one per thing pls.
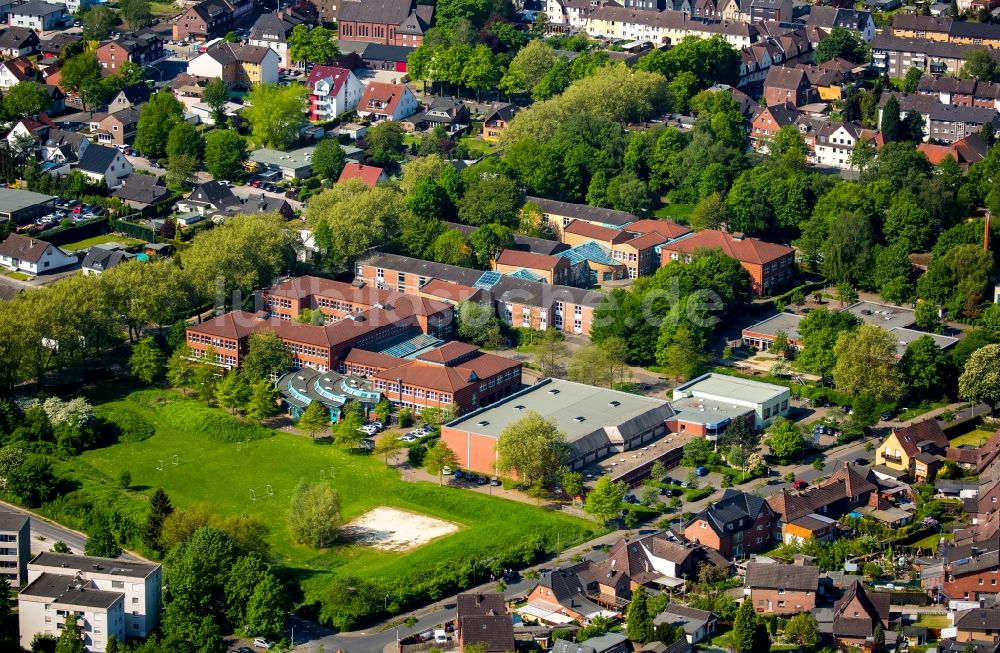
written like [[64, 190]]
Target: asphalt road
[[45, 533]]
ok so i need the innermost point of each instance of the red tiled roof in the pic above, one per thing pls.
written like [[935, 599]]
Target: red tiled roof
[[646, 241], [368, 174], [235, 325], [666, 228], [521, 259], [597, 232], [745, 250], [389, 94], [926, 431], [448, 352], [335, 74], [371, 359], [448, 290], [447, 378]]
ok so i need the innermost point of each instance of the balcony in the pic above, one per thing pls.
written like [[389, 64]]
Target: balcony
[[894, 460]]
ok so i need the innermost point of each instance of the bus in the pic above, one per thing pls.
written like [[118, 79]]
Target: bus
[[208, 45]]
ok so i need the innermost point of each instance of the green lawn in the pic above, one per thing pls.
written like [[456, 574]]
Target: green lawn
[[128, 241], [932, 541], [19, 276], [214, 472], [933, 621], [675, 211], [972, 438], [164, 8], [923, 407], [478, 148]]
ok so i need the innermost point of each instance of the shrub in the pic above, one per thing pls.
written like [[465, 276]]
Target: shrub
[[698, 494], [124, 425], [187, 415], [415, 455]]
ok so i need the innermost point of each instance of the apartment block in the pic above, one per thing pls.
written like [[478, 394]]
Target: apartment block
[[44, 606], [15, 547]]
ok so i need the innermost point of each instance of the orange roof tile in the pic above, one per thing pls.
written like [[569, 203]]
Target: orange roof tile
[[745, 250], [521, 259]]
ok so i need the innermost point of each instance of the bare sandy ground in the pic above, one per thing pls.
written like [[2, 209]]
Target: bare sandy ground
[[391, 529]]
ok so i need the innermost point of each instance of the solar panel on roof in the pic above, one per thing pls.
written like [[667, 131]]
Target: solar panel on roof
[[487, 280]]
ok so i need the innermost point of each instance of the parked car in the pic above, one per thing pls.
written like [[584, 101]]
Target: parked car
[[668, 480], [631, 498], [255, 183], [260, 642], [377, 424], [495, 482], [446, 470], [701, 471], [458, 474], [407, 438], [886, 416], [799, 485], [481, 480]]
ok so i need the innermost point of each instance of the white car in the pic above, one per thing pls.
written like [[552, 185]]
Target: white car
[[407, 438], [260, 642]]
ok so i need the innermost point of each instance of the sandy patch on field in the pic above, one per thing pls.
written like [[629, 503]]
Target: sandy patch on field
[[391, 529]]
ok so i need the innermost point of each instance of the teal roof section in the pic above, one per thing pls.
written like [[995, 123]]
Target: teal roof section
[[589, 251], [527, 275]]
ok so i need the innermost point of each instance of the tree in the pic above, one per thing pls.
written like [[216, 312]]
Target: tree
[[640, 622], [744, 628], [979, 64], [605, 501], [878, 638], [156, 120], [25, 99], [233, 391], [263, 401], [841, 43], [528, 67], [439, 456], [785, 440], [70, 639], [81, 72], [427, 201], [741, 437], [315, 45], [314, 516], [818, 333], [386, 445], [709, 213], [180, 371], [925, 366], [8, 624], [847, 250], [185, 139], [314, 419], [98, 23], [683, 357], [866, 364], [159, 509], [803, 631], [551, 351], [328, 159], [225, 152], [358, 217], [215, 95], [697, 452], [182, 169], [43, 643], [136, 13], [124, 479], [927, 317], [572, 483], [146, 361], [477, 323], [268, 607], [385, 142], [493, 199], [101, 542], [489, 240], [890, 119], [267, 355], [980, 380], [532, 447], [275, 114], [911, 81]]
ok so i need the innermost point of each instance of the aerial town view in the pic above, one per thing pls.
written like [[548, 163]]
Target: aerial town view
[[500, 326]]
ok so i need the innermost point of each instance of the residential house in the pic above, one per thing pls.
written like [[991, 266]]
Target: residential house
[[961, 92], [978, 625], [39, 16], [18, 42], [858, 613], [917, 449], [100, 259], [381, 101], [271, 30], [946, 29], [143, 191], [836, 142], [482, 619], [810, 514], [497, 122], [606, 643], [449, 113], [392, 22], [239, 66], [965, 151], [209, 197], [15, 534], [17, 70], [138, 585], [768, 121], [116, 128], [370, 175], [45, 604], [62, 147], [787, 86], [105, 165], [541, 267], [25, 128], [698, 625], [209, 19], [770, 266], [972, 573], [294, 164], [943, 123], [857, 22], [777, 10], [523, 303], [54, 46], [735, 526], [332, 91], [895, 55], [781, 589], [130, 97], [24, 254], [141, 48], [667, 27], [261, 203]]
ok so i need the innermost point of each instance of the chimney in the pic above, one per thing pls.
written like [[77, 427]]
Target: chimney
[[738, 235], [847, 464]]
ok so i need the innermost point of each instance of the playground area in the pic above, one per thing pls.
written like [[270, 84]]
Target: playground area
[[390, 529]]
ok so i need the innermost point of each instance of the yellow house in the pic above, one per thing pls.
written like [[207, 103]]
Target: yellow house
[[917, 449]]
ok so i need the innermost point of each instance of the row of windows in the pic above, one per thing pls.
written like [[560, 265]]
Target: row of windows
[[279, 302], [308, 350], [218, 343]]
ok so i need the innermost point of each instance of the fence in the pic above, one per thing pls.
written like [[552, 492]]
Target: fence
[[135, 230], [60, 236], [426, 646]]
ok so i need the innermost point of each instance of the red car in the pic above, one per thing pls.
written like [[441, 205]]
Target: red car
[[255, 183], [800, 485]]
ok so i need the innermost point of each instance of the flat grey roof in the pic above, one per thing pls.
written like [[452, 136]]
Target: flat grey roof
[[299, 158], [787, 322], [707, 411], [12, 521], [91, 564], [565, 402], [67, 590], [721, 385], [905, 336], [884, 315], [13, 200]]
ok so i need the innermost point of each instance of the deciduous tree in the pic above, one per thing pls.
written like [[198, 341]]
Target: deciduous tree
[[439, 456], [312, 45], [275, 114], [328, 159], [156, 120], [25, 99], [866, 364], [314, 419], [532, 447], [385, 142], [605, 501], [314, 516], [146, 361], [980, 380]]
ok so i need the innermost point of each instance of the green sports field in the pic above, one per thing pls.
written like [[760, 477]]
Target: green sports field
[[210, 470]]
